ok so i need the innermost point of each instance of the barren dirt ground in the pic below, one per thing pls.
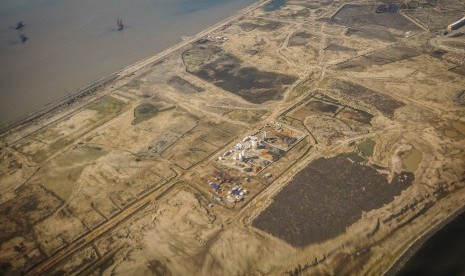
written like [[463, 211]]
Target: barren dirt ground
[[320, 138]]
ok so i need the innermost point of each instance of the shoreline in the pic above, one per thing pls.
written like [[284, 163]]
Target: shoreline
[[31, 125], [96, 86], [415, 246]]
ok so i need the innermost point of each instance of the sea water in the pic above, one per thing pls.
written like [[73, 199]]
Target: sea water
[[72, 43]]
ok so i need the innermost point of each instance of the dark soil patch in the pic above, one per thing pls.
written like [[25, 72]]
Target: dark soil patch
[[355, 115], [460, 99], [158, 268], [262, 25], [459, 70], [372, 32], [455, 44], [386, 56], [434, 19], [304, 12], [184, 85], [31, 205], [300, 38], [323, 107], [249, 83], [438, 53], [315, 107], [325, 198], [365, 15], [384, 103], [144, 112], [338, 48]]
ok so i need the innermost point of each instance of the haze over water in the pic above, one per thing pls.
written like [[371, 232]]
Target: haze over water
[[75, 42]]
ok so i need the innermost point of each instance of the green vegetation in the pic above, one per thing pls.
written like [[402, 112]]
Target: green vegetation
[[107, 106], [366, 148], [144, 112]]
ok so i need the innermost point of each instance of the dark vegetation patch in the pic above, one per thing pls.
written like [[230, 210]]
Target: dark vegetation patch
[[364, 15], [458, 70], [459, 34], [460, 99], [438, 53], [201, 53], [379, 58], [158, 268], [455, 44], [144, 112], [434, 19], [226, 71], [260, 24], [323, 107], [355, 92], [314, 107], [309, 4], [371, 32], [5, 268], [300, 39], [304, 12], [76, 263], [354, 157], [325, 198], [351, 31], [32, 204], [355, 115], [338, 48], [184, 85]]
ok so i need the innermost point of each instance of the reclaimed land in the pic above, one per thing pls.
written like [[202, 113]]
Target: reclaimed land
[[326, 197], [325, 136]]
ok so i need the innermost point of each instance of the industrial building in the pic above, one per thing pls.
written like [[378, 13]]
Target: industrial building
[[457, 25], [261, 148]]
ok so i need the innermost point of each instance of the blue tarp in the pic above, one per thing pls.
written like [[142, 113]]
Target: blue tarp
[[215, 186]]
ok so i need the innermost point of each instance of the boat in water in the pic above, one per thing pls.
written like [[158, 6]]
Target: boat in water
[[119, 23], [23, 38], [19, 25]]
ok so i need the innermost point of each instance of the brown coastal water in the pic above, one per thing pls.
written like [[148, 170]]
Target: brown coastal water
[[75, 42]]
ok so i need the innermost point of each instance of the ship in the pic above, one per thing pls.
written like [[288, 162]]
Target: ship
[[19, 25], [119, 23]]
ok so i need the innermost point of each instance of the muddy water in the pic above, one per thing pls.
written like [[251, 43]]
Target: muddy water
[[75, 42], [412, 160], [456, 129]]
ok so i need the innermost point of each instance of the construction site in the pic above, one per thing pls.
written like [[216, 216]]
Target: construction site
[[296, 137]]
